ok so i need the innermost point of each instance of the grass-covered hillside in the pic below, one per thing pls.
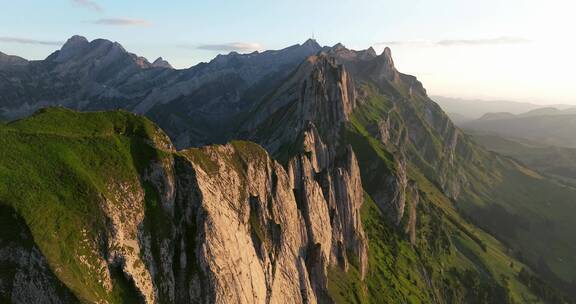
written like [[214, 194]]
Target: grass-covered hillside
[[451, 260], [56, 169], [523, 216]]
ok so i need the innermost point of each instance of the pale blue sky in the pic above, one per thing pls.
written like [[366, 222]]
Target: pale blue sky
[[516, 49]]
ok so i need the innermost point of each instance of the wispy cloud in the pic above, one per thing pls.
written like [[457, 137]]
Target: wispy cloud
[[242, 47], [89, 5], [499, 40], [458, 42], [30, 41], [121, 22]]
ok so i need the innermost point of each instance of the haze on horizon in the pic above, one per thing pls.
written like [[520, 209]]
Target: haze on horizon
[[496, 49]]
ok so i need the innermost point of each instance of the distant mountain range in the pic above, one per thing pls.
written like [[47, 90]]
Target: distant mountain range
[[549, 126], [193, 105], [463, 110], [558, 162], [543, 138], [309, 174]]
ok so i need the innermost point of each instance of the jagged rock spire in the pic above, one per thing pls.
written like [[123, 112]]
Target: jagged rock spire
[[387, 56], [371, 52]]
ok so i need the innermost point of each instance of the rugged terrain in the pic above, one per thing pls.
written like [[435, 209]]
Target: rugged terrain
[[359, 189]]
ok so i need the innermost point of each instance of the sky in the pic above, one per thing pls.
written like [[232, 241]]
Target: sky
[[522, 50]]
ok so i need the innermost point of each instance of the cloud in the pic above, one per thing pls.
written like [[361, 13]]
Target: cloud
[[458, 42], [89, 5], [30, 41], [121, 22], [499, 40], [243, 47]]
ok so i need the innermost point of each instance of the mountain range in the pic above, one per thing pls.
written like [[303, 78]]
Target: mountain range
[[554, 161], [542, 139], [464, 110], [548, 126], [304, 175]]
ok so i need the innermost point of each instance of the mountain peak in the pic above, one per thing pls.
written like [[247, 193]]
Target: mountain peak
[[338, 46], [387, 55], [73, 46], [161, 63], [312, 43], [371, 52], [367, 54], [75, 42]]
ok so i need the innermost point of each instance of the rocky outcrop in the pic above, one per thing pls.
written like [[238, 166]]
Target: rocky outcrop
[[252, 236], [227, 224], [328, 96], [320, 91], [268, 234], [392, 133], [315, 105], [391, 197], [414, 196], [386, 69], [348, 199]]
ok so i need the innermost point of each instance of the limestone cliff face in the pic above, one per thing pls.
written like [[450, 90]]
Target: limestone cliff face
[[313, 108], [252, 240], [320, 92], [337, 186], [231, 225]]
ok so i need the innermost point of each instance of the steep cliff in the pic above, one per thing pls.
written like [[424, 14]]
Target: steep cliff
[[223, 224]]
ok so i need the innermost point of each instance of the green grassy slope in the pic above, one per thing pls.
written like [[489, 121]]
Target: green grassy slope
[[530, 215], [54, 170], [451, 262]]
